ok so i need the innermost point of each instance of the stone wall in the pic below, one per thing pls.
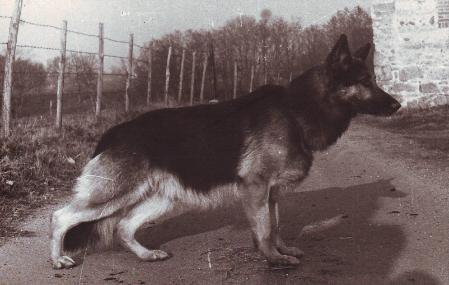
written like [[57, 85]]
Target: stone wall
[[411, 56]]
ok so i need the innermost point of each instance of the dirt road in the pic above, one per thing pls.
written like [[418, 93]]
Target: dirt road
[[386, 221]]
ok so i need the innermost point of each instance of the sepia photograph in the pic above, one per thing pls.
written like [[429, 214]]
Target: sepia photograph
[[224, 142]]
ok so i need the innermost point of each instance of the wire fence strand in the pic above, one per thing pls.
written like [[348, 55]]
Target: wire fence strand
[[140, 60], [115, 74], [75, 51], [38, 47], [58, 28], [40, 25], [53, 73], [115, 41], [83, 34], [73, 32], [56, 73], [81, 52], [139, 46], [115, 56]]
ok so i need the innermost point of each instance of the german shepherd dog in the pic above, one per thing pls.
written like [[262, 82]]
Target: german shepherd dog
[[170, 161]]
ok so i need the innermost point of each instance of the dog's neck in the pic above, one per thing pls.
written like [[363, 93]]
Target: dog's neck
[[322, 122]]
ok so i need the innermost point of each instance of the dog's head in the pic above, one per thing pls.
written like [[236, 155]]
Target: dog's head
[[353, 84]]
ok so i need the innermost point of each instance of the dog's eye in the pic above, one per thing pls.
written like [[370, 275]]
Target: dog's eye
[[366, 81]]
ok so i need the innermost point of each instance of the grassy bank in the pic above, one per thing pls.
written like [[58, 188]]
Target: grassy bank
[[38, 164], [429, 128]]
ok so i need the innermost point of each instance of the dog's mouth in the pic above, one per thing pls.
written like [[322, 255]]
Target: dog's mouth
[[386, 110], [393, 108]]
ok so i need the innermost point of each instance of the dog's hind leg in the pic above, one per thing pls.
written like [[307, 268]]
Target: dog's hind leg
[[66, 218], [280, 244], [100, 191], [257, 208], [151, 210]]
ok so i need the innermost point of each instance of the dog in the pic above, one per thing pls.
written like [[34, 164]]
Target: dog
[[169, 161]]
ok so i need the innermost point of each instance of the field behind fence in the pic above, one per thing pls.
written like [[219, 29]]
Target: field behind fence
[[118, 82]]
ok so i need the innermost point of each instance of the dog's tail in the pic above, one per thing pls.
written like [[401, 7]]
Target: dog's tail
[[108, 184], [93, 234]]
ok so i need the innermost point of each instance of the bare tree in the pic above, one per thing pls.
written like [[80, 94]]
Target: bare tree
[[83, 74], [272, 47]]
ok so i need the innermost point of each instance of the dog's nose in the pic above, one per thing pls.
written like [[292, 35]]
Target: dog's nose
[[395, 106]]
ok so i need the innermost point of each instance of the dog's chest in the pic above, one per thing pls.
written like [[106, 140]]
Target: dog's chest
[[295, 170]]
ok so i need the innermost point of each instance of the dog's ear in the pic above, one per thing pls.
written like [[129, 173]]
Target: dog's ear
[[340, 56], [363, 52]]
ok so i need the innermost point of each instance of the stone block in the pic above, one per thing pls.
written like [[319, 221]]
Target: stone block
[[395, 75], [384, 73], [428, 88], [410, 72], [432, 100], [415, 45], [418, 103], [440, 100], [441, 73], [384, 8], [403, 87]]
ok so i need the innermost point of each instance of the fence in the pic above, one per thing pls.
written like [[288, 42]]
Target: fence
[[131, 60], [100, 55]]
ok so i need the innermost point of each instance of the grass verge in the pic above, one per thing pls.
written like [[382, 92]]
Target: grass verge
[[429, 128], [38, 164]]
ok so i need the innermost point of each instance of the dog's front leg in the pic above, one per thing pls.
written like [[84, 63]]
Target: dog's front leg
[[257, 209], [280, 244]]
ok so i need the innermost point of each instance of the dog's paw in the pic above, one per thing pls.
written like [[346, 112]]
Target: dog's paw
[[153, 255], [283, 260], [292, 251], [63, 262]]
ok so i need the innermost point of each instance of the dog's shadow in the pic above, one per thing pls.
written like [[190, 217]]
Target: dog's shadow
[[355, 244]]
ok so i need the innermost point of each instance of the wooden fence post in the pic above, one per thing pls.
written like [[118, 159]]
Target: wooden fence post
[[192, 82], [60, 90], [203, 79], [129, 71], [214, 71], [235, 80], [181, 76], [251, 83], [167, 76], [9, 60], [149, 76], [100, 70]]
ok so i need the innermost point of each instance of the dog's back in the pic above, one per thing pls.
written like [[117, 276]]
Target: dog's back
[[201, 145]]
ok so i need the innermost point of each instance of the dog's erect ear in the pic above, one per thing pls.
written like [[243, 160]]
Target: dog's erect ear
[[340, 56], [363, 52]]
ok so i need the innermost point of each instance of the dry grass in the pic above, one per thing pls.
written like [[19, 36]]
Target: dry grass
[[428, 127]]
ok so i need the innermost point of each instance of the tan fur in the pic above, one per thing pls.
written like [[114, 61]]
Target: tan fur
[[358, 92], [169, 186]]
